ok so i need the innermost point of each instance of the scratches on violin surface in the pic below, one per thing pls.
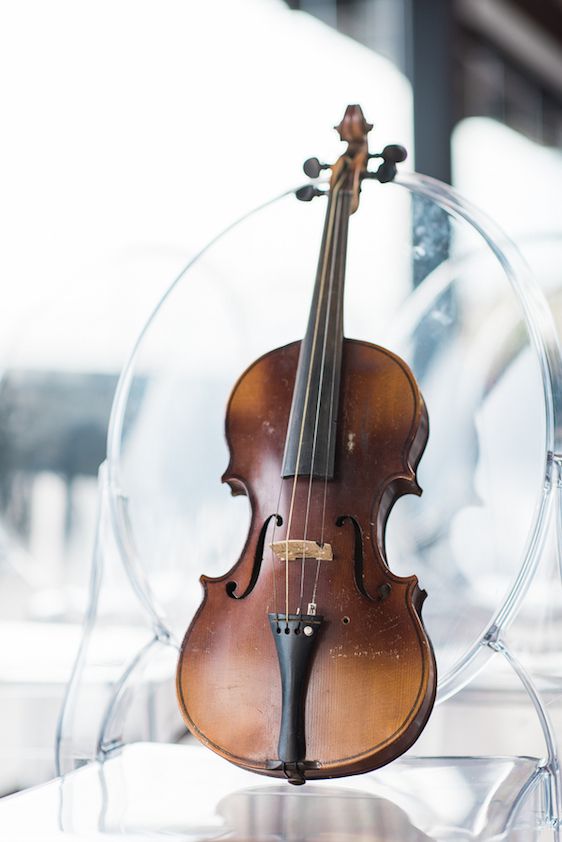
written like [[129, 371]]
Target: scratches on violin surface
[[366, 651]]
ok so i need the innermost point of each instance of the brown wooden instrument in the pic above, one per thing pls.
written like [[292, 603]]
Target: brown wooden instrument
[[309, 659]]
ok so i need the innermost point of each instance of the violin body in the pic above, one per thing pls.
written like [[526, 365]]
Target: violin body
[[309, 659], [372, 681]]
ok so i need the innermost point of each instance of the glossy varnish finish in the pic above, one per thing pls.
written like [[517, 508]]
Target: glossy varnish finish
[[372, 680], [309, 668]]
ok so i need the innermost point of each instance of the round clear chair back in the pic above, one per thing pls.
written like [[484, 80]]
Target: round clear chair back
[[431, 279]]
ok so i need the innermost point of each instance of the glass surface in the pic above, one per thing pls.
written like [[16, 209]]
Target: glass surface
[[185, 792], [478, 337], [462, 331], [537, 631]]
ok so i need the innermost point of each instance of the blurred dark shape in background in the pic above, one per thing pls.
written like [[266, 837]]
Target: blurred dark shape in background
[[464, 58]]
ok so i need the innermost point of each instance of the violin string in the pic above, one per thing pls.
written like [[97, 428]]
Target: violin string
[[335, 190], [332, 389], [320, 389], [307, 394], [273, 571]]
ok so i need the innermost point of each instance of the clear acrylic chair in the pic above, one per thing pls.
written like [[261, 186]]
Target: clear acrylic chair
[[432, 279]]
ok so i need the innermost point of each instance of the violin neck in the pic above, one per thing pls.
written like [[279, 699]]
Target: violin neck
[[311, 434]]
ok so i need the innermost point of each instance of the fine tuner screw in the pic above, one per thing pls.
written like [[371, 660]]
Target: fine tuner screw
[[312, 167]]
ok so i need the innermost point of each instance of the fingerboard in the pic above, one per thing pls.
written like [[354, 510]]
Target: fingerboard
[[311, 433]]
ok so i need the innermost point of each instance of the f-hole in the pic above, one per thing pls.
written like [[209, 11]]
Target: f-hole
[[258, 558], [357, 553]]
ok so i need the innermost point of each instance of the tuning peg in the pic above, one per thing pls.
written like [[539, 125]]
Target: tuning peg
[[312, 167], [308, 192], [386, 172], [391, 155], [394, 153]]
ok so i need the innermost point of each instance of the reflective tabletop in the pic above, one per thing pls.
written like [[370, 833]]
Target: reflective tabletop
[[155, 791]]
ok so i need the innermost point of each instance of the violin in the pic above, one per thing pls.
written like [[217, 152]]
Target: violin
[[308, 659]]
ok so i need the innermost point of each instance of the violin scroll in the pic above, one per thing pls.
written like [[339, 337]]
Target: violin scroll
[[353, 127]]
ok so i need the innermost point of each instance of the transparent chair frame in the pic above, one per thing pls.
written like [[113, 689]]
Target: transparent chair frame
[[115, 529]]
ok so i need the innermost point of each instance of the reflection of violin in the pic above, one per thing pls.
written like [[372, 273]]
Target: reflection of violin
[[308, 659], [332, 813]]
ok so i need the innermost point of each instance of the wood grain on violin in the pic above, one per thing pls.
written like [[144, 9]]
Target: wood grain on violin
[[309, 659]]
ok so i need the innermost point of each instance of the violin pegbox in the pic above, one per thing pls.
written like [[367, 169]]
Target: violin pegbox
[[352, 165]]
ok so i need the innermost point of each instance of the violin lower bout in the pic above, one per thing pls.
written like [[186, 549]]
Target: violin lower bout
[[372, 679], [368, 695]]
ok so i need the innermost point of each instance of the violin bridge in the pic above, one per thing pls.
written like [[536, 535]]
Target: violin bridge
[[295, 549]]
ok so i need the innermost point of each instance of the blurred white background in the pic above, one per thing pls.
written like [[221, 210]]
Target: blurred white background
[[131, 133]]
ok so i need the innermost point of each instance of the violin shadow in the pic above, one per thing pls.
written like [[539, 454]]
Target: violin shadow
[[322, 814]]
